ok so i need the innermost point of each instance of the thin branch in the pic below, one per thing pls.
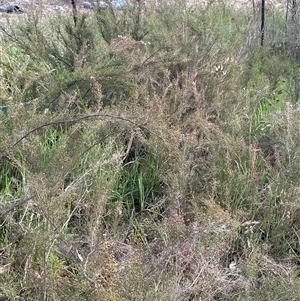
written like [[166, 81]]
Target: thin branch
[[72, 121], [4, 210]]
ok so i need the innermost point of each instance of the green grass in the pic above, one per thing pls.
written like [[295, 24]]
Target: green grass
[[138, 184]]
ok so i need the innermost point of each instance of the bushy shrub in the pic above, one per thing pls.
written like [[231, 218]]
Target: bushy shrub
[[147, 154]]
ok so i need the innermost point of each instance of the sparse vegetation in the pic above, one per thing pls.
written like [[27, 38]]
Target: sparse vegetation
[[150, 154]]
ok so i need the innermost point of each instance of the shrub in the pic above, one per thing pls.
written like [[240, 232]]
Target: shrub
[[148, 154]]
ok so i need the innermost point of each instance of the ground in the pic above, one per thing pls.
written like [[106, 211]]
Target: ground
[[50, 6], [65, 4]]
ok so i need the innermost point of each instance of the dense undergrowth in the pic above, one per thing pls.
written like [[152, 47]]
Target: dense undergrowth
[[150, 154]]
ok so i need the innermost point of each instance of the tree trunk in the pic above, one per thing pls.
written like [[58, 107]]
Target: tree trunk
[[74, 8], [262, 24]]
